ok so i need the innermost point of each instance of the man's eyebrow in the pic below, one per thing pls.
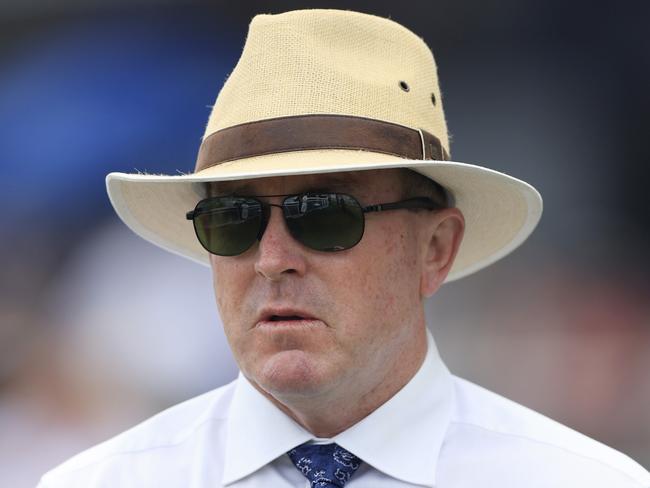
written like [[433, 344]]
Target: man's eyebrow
[[229, 187], [234, 188], [335, 182], [327, 182]]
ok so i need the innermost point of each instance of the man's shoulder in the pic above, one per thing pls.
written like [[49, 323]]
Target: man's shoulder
[[497, 435], [167, 435]]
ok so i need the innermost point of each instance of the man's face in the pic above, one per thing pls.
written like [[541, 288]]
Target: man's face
[[305, 322]]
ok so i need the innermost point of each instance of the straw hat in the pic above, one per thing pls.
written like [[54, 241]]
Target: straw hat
[[319, 91]]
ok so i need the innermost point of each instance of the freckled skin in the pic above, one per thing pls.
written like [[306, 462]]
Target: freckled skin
[[369, 338]]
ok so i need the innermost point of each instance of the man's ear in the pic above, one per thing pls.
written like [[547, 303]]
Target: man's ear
[[442, 239]]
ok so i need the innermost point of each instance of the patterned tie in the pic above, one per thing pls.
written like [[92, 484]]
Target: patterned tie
[[325, 465]]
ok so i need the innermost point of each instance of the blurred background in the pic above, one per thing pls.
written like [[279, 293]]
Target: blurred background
[[99, 329]]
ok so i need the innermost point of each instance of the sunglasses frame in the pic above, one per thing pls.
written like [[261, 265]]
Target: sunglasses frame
[[424, 203]]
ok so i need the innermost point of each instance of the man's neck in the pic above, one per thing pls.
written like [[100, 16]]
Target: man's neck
[[334, 412]]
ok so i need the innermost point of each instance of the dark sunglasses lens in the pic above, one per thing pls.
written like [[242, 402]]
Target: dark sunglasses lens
[[324, 222], [227, 226]]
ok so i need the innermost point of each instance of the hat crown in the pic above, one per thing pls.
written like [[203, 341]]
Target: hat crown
[[332, 62]]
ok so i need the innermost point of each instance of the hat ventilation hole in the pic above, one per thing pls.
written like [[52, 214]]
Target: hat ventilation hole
[[433, 99], [404, 85]]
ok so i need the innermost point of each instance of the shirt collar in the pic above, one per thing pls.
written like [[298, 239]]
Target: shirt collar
[[402, 438], [258, 432]]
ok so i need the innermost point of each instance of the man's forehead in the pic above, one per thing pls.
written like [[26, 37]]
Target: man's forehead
[[351, 181]]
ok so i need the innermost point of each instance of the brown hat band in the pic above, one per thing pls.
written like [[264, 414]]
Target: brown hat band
[[303, 132]]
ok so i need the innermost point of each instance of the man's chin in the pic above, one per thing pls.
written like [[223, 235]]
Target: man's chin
[[291, 373]]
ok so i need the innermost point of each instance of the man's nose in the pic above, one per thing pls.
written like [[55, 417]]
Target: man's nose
[[279, 254]]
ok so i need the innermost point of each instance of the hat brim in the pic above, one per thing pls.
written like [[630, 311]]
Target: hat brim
[[500, 211]]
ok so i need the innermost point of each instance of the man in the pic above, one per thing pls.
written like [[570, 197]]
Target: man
[[326, 205]]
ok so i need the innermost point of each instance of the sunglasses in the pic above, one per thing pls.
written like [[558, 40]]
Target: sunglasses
[[230, 225]]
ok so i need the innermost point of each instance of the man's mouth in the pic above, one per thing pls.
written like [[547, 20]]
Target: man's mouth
[[285, 316], [278, 318]]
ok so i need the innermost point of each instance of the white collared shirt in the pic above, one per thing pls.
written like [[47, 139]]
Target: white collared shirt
[[438, 431]]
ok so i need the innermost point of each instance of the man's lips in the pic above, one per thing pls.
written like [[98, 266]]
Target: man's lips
[[276, 317]]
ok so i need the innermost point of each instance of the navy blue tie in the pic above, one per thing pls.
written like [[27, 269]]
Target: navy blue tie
[[325, 465]]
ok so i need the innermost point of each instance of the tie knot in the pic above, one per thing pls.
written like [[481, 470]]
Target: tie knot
[[325, 465]]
